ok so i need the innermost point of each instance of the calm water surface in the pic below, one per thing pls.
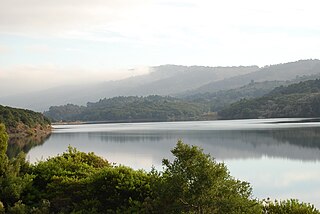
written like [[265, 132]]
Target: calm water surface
[[280, 160]]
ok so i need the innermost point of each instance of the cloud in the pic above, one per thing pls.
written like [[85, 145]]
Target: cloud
[[53, 17], [41, 48], [206, 32], [4, 49], [158, 23]]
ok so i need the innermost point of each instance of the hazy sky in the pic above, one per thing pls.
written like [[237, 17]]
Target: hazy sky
[[46, 42]]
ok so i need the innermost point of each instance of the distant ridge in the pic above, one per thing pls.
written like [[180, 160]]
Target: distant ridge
[[296, 100], [279, 72], [165, 80], [162, 80]]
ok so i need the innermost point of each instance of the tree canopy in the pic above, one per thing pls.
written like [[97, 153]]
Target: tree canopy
[[132, 108], [296, 100], [12, 117]]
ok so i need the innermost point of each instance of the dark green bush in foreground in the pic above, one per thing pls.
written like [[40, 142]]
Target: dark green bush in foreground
[[77, 182]]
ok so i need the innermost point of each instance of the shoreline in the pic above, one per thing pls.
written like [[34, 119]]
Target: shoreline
[[289, 120]]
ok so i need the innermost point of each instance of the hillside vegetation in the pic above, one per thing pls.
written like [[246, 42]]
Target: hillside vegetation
[[280, 72], [160, 80], [165, 80], [296, 100], [26, 129], [133, 108], [21, 120], [216, 101]]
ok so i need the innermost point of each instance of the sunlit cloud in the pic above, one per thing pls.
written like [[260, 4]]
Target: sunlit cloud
[[36, 17], [4, 49], [38, 48]]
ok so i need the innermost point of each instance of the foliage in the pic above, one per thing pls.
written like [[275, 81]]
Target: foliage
[[13, 176], [195, 183], [290, 206], [11, 117], [3, 148], [90, 181], [78, 182], [132, 108], [25, 128], [296, 100], [220, 99]]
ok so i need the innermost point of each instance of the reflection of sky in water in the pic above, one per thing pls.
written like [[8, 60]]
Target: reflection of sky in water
[[279, 160]]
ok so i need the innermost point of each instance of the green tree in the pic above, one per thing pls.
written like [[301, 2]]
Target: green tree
[[195, 183], [290, 206], [13, 179], [3, 148]]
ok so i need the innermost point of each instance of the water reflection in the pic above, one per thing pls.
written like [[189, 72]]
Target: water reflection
[[279, 160], [24, 144], [294, 143]]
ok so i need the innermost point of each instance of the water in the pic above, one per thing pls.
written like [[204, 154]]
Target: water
[[280, 160]]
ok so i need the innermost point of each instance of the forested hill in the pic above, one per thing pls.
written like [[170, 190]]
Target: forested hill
[[23, 122], [296, 100], [160, 80], [279, 72], [129, 109], [216, 101]]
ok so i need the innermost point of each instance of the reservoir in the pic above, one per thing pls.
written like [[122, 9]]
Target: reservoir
[[280, 158]]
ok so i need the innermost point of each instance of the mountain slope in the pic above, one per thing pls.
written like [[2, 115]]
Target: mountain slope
[[220, 99], [22, 121], [162, 80], [165, 80], [280, 72], [296, 100], [26, 129], [129, 109], [223, 98]]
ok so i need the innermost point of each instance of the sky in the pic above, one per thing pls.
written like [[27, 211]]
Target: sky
[[48, 43]]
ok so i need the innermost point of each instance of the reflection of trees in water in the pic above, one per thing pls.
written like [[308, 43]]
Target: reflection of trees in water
[[293, 143], [302, 137], [24, 144]]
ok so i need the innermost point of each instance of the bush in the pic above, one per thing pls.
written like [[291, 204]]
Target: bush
[[290, 206]]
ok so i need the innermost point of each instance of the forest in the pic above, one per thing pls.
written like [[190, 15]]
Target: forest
[[26, 120], [78, 182], [129, 109], [26, 129], [269, 99], [295, 100]]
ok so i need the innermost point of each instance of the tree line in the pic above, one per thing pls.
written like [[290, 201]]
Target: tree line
[[131, 108], [269, 99], [295, 100], [13, 117]]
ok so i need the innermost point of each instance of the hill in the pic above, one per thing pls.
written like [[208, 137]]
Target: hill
[[165, 80], [161, 80], [25, 128], [296, 100], [129, 109], [216, 101], [15, 118], [279, 72]]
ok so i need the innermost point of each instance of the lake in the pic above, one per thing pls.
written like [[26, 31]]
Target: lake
[[279, 157]]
